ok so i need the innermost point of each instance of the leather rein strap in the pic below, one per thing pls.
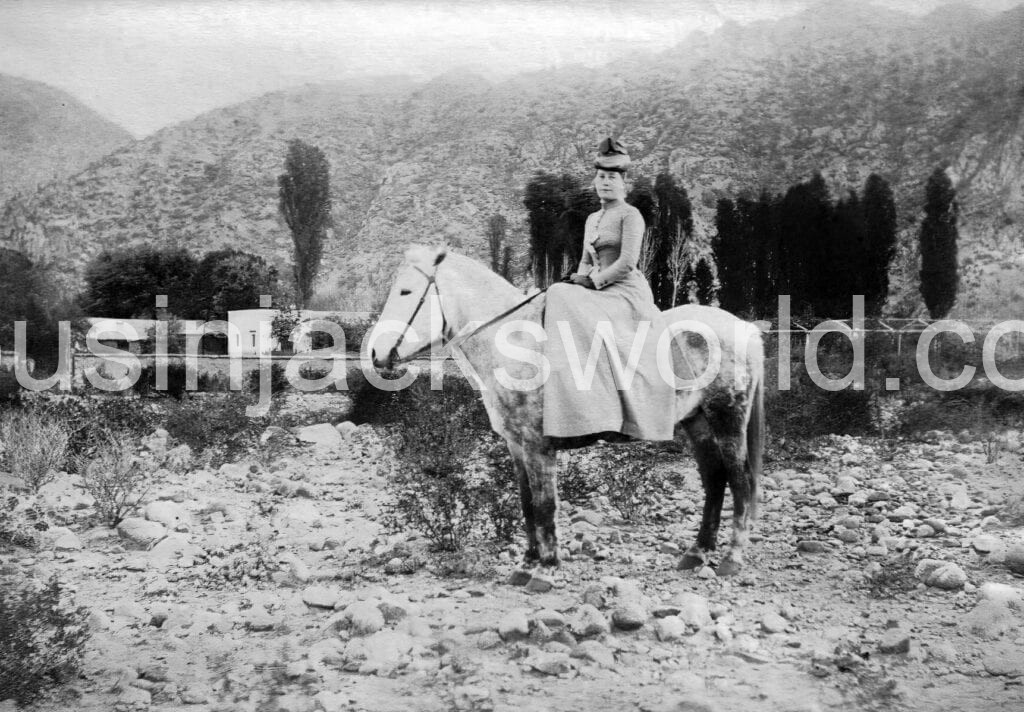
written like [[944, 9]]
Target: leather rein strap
[[432, 280]]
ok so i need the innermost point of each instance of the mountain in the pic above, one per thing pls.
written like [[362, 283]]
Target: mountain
[[843, 89], [47, 135]]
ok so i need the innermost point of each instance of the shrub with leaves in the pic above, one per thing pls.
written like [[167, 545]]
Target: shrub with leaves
[[216, 428], [35, 446], [445, 484], [629, 479], [113, 477], [21, 525], [42, 639]]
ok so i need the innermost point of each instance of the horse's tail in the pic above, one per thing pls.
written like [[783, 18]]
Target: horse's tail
[[755, 429]]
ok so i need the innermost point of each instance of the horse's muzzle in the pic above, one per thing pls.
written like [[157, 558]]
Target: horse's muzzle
[[386, 362]]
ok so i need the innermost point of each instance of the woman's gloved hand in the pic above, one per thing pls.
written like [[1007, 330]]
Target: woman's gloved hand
[[583, 280]]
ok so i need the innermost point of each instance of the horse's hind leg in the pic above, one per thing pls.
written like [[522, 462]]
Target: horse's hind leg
[[536, 468], [714, 479]]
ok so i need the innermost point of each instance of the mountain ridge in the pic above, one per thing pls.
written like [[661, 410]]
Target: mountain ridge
[[742, 109]]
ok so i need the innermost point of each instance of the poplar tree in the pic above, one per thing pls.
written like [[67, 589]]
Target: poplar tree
[[938, 236], [305, 203], [880, 236]]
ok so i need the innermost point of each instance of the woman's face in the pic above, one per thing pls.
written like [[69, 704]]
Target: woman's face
[[610, 185]]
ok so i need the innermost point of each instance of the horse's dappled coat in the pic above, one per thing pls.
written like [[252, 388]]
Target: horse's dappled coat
[[723, 419]]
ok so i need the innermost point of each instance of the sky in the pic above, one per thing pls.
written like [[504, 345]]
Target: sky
[[146, 64]]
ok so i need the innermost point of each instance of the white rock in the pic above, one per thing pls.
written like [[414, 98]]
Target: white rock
[[514, 626], [363, 617], [693, 609], [1002, 593], [320, 597], [141, 532], [670, 629], [170, 514], [321, 434]]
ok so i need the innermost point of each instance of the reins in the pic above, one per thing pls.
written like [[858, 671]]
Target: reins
[[432, 280]]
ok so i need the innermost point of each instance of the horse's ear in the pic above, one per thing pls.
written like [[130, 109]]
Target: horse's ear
[[441, 254]]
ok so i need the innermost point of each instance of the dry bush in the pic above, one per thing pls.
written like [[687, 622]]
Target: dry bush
[[42, 639], [113, 477], [35, 446]]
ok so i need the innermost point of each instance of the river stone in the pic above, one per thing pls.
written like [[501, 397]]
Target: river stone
[[589, 621], [1014, 560], [989, 620], [948, 577], [170, 514], [693, 609], [514, 626], [319, 597], [320, 434], [1002, 593], [629, 616], [670, 629], [549, 663], [140, 532], [363, 617], [595, 652]]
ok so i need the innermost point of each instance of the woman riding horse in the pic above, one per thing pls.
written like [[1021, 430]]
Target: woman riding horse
[[606, 304]]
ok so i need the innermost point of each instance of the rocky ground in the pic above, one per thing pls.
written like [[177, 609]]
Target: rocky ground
[[881, 578]]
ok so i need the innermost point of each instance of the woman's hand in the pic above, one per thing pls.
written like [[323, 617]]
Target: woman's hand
[[583, 280]]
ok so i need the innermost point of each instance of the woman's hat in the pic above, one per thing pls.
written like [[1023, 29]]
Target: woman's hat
[[611, 156]]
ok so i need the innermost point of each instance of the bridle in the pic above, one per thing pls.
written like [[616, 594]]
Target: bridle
[[431, 280], [445, 342]]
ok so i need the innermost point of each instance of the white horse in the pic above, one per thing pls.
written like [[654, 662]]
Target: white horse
[[724, 418]]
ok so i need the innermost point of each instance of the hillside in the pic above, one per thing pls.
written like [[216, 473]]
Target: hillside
[[47, 135], [844, 90]]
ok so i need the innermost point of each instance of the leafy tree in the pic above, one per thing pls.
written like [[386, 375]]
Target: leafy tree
[[939, 277], [499, 250], [26, 295], [123, 284], [305, 202], [880, 238], [226, 280]]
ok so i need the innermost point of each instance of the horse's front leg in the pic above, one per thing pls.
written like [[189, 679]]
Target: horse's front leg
[[536, 467]]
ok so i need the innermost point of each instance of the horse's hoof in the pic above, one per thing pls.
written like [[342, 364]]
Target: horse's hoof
[[550, 561], [728, 568], [691, 561]]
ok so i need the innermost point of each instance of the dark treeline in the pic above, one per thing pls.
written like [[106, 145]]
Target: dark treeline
[[803, 244]]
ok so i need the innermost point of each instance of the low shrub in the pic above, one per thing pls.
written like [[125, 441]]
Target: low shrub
[[278, 380], [382, 407], [113, 477], [89, 419], [448, 484], [216, 427], [21, 526], [42, 639], [177, 376], [35, 446]]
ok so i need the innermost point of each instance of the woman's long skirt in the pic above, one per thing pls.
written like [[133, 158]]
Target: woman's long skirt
[[577, 320]]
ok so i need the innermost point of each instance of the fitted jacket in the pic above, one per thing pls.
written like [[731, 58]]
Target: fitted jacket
[[612, 240]]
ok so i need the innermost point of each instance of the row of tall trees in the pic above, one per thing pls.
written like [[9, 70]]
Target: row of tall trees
[[803, 244]]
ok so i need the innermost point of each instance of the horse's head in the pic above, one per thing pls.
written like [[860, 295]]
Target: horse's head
[[408, 323]]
